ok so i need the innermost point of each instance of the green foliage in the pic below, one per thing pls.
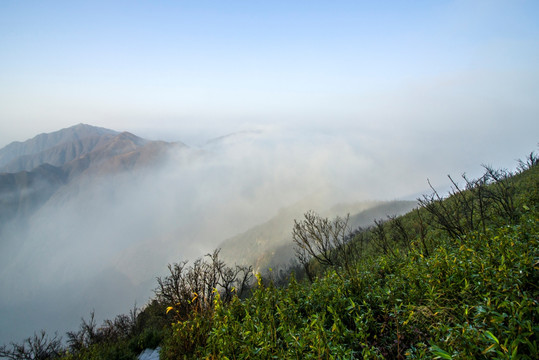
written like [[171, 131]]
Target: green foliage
[[149, 338], [118, 350], [472, 298], [120, 339], [432, 294], [187, 338]]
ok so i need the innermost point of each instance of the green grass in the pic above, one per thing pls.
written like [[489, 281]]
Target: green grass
[[473, 296]]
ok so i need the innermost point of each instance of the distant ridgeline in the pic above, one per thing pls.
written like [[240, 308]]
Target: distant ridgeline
[[31, 172], [269, 245], [52, 187]]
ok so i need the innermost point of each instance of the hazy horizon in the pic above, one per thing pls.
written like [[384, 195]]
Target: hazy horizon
[[190, 71]]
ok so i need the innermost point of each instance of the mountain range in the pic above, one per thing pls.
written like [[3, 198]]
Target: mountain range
[[33, 170], [53, 189], [55, 148]]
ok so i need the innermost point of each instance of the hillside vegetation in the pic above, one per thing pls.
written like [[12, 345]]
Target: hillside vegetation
[[456, 278], [269, 245]]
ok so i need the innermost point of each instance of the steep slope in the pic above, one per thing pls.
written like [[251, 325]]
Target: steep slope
[[51, 161], [270, 244], [380, 211], [121, 152], [56, 148]]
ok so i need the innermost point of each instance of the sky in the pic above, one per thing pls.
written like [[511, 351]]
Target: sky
[[392, 72]]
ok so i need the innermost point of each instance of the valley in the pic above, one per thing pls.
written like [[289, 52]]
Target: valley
[[90, 216]]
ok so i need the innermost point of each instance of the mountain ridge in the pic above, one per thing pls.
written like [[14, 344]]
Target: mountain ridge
[[49, 162], [46, 145]]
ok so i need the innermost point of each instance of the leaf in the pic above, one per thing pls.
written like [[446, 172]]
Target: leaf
[[169, 308], [488, 349], [515, 352], [440, 353], [491, 336]]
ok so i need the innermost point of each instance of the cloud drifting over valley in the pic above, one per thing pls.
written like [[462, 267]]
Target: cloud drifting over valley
[[101, 239]]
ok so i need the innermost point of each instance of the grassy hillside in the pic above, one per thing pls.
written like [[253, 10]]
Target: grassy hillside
[[269, 245], [456, 278], [439, 295]]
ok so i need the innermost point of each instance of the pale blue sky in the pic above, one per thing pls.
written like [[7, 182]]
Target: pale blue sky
[[393, 69]]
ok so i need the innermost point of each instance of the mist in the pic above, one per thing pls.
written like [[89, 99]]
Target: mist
[[99, 242]]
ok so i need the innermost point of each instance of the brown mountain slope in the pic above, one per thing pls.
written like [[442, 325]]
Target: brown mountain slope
[[23, 192], [55, 148]]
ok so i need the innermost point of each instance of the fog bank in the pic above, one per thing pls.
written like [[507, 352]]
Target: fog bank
[[99, 242]]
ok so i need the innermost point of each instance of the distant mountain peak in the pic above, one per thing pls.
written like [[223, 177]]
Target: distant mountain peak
[[85, 126], [80, 141], [55, 148]]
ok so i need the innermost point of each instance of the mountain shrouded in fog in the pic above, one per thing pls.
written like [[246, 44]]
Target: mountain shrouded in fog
[[90, 216], [58, 226], [32, 171], [56, 148]]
